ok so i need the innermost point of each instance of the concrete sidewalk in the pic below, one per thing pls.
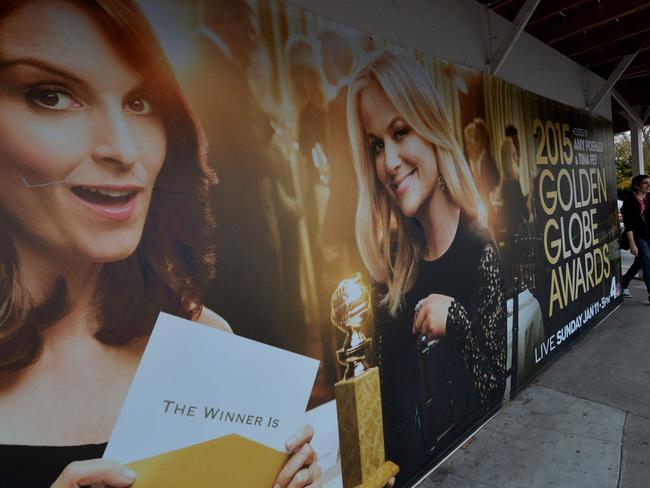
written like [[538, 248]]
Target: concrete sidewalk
[[583, 423]]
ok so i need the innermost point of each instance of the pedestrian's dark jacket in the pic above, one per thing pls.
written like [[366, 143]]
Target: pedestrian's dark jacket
[[633, 220]]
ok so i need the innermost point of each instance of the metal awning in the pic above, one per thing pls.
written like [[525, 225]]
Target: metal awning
[[609, 37]]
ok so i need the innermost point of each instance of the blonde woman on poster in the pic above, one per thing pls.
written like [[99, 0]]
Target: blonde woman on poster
[[104, 222], [420, 227]]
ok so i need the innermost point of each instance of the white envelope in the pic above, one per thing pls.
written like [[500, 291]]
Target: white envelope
[[196, 384]]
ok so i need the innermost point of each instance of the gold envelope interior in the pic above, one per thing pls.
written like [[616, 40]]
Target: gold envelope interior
[[230, 461]]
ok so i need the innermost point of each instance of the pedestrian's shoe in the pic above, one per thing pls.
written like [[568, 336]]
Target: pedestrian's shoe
[[626, 293]]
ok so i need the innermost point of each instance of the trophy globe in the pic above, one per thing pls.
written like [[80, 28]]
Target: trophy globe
[[350, 310]]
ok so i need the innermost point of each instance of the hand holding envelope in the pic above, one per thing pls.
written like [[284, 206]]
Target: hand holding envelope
[[301, 469], [203, 403], [95, 472]]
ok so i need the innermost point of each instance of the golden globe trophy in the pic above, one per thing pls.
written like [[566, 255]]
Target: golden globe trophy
[[358, 395]]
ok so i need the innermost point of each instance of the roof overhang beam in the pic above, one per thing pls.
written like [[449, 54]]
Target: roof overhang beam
[[609, 83], [509, 40], [632, 115]]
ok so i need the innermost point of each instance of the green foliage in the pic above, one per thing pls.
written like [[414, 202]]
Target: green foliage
[[623, 160], [646, 147]]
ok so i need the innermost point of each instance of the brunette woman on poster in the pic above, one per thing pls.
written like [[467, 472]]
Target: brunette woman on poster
[[635, 219], [104, 222], [421, 233]]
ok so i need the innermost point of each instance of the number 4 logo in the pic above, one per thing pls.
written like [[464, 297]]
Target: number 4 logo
[[614, 289]]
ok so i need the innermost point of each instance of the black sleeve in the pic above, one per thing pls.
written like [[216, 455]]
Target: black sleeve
[[482, 338], [631, 213]]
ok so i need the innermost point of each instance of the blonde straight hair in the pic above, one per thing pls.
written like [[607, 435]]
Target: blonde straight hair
[[391, 244]]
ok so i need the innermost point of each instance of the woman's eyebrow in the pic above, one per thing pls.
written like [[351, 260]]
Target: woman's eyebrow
[[142, 86], [391, 124], [38, 64], [394, 121]]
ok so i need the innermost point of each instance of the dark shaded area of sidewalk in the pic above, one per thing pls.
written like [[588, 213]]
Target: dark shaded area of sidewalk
[[583, 423]]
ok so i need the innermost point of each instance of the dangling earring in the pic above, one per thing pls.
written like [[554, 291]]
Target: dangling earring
[[442, 184]]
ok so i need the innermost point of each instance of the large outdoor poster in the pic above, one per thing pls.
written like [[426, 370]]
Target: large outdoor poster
[[239, 161]]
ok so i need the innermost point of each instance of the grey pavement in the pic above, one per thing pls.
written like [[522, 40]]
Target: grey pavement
[[583, 423]]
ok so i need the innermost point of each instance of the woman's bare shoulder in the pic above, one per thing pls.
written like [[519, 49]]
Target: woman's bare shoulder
[[212, 319]]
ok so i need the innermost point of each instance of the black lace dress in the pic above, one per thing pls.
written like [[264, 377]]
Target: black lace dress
[[465, 371]]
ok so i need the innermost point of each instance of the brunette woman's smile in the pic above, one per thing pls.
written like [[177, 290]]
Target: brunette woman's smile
[[111, 202]]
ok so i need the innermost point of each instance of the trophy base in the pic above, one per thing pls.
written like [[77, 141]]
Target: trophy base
[[361, 433], [381, 477]]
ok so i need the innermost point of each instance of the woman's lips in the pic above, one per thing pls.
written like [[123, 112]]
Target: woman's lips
[[401, 185], [110, 202]]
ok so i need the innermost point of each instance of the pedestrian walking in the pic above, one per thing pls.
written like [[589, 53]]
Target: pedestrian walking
[[635, 219]]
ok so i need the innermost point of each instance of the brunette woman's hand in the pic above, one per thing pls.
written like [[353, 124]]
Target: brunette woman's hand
[[95, 471], [431, 316], [301, 469]]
